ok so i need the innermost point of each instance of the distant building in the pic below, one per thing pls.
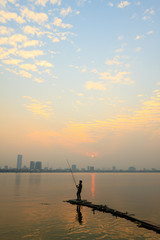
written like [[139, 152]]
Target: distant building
[[74, 167], [19, 162], [38, 166], [90, 168], [132, 169], [6, 167], [113, 168], [32, 165]]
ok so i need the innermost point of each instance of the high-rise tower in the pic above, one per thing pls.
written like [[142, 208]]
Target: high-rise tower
[[19, 162]]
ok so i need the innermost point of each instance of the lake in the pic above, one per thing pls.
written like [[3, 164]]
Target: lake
[[32, 205]]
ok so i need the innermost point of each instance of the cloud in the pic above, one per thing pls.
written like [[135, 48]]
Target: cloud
[[28, 67], [58, 23], [31, 43], [44, 64], [110, 4], [38, 80], [5, 53], [12, 61], [58, 2], [3, 3], [39, 109], [13, 40], [118, 78], [39, 18], [139, 37], [138, 3], [25, 74], [5, 31], [9, 16], [113, 133], [95, 86], [41, 2], [123, 4], [55, 39], [150, 32], [148, 13], [138, 49], [114, 61], [65, 12], [30, 30], [30, 54]]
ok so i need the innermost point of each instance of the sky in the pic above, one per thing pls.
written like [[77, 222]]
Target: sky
[[80, 80]]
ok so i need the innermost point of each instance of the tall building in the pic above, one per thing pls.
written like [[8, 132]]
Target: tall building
[[32, 165], [74, 167], [19, 162], [38, 166], [90, 169]]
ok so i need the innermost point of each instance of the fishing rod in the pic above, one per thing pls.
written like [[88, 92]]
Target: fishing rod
[[72, 173]]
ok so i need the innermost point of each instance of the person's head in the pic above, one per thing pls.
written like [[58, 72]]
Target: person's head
[[80, 181]]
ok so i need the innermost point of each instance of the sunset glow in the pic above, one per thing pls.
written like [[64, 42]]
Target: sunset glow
[[80, 80]]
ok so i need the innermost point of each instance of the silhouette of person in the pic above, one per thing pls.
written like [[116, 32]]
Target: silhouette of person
[[79, 190], [79, 215]]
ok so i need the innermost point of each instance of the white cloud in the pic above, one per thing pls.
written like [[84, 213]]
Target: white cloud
[[31, 43], [123, 4], [138, 3], [28, 67], [148, 13], [65, 12], [139, 37], [30, 30], [39, 18], [58, 22], [58, 2], [95, 86], [38, 80], [9, 16], [3, 2], [118, 78], [12, 61], [13, 40], [110, 4], [30, 54], [149, 32], [138, 49], [25, 74], [5, 31], [55, 39], [114, 61], [41, 2], [44, 64], [38, 108]]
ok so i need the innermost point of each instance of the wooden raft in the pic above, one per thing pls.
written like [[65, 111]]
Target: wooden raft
[[104, 208]]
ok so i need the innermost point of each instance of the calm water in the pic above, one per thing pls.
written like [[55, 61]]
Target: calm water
[[32, 207]]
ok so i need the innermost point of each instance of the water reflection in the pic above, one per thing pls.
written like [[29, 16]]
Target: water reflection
[[34, 179], [79, 215], [17, 184], [17, 179], [93, 184]]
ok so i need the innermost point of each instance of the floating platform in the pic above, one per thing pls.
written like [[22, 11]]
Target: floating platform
[[126, 215]]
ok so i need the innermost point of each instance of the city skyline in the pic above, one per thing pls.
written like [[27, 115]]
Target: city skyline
[[37, 166], [80, 80]]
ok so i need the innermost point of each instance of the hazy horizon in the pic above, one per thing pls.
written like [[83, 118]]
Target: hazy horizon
[[80, 80]]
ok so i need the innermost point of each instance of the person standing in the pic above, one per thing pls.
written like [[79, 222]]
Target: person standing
[[79, 190]]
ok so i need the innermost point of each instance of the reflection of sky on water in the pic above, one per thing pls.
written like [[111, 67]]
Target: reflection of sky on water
[[93, 184], [38, 211]]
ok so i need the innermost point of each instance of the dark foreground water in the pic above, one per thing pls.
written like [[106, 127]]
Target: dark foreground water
[[32, 207]]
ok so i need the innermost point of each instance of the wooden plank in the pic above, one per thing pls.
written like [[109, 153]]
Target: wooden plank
[[127, 216]]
